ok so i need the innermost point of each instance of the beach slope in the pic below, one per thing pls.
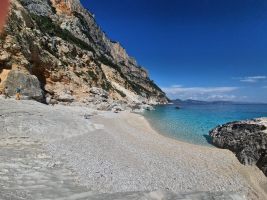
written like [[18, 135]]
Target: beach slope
[[106, 152]]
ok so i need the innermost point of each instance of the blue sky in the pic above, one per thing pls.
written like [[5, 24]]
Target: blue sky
[[199, 49]]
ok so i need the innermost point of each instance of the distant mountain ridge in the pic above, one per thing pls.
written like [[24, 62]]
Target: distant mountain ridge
[[199, 102]]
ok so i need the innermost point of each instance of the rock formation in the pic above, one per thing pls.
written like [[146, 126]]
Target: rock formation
[[247, 139], [60, 43], [29, 84]]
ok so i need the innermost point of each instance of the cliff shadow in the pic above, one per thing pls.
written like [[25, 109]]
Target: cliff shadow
[[40, 74]]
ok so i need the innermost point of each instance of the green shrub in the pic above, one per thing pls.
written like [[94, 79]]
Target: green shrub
[[154, 85], [106, 86], [52, 7], [79, 74], [121, 93], [85, 29], [92, 75], [103, 59], [85, 80], [46, 25]]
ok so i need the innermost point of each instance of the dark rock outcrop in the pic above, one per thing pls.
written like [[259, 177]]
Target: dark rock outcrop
[[247, 139]]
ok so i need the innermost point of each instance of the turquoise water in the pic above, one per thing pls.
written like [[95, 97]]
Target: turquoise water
[[192, 123]]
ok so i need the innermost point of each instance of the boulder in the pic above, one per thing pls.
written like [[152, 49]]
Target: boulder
[[138, 107], [102, 106], [147, 107], [99, 91], [53, 102], [95, 90], [29, 84], [135, 106], [64, 96], [49, 99], [4, 56], [117, 109], [247, 139]]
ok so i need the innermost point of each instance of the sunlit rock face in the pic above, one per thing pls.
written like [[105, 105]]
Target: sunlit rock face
[[66, 6], [60, 43]]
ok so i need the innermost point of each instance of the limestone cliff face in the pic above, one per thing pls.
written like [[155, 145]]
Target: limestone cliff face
[[60, 43]]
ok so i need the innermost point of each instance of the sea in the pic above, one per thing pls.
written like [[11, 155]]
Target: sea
[[191, 122]]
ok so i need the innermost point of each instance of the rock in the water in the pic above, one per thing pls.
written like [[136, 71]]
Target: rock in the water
[[247, 139], [147, 107], [29, 84]]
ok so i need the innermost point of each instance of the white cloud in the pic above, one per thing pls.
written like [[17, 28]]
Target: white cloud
[[253, 79], [221, 97], [176, 86], [201, 93], [174, 89]]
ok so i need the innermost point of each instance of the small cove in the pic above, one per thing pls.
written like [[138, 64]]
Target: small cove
[[192, 123]]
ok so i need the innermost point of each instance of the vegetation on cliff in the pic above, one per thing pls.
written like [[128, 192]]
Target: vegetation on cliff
[[61, 44]]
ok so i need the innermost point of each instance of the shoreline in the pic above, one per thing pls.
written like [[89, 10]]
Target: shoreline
[[143, 129], [246, 171], [146, 120], [148, 124], [109, 152]]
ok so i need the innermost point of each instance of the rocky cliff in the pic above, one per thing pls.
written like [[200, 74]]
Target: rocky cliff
[[59, 43], [248, 139]]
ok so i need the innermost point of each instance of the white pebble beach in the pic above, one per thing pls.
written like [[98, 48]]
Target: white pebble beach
[[107, 152]]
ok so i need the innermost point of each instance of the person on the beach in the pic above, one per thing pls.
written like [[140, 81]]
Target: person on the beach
[[18, 91], [6, 93]]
